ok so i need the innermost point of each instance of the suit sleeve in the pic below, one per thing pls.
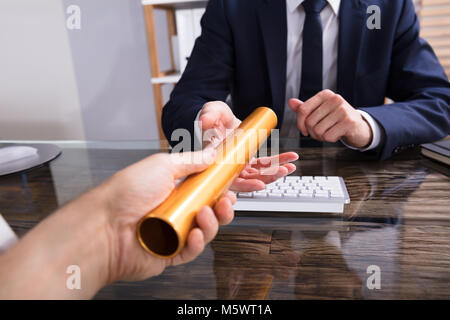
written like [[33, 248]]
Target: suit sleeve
[[420, 88], [207, 75]]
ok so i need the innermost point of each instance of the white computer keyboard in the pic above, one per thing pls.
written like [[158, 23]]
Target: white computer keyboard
[[297, 194]]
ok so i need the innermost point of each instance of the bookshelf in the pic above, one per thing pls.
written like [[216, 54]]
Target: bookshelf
[[181, 38]]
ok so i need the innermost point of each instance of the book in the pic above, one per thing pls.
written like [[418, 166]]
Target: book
[[439, 151]]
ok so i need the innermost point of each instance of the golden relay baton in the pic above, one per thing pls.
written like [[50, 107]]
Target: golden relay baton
[[163, 231]]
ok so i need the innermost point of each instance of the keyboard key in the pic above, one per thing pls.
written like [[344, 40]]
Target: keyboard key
[[260, 195], [337, 195], [290, 195], [321, 195], [245, 194], [276, 191], [305, 195], [284, 185], [275, 195]]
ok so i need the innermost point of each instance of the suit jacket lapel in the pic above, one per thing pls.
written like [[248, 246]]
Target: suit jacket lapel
[[351, 30], [273, 22]]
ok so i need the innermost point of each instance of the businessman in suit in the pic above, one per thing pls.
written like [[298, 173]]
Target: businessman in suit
[[321, 68]]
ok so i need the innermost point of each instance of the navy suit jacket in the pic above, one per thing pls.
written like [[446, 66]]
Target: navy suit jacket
[[242, 52]]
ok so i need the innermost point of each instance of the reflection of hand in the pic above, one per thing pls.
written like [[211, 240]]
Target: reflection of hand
[[328, 117], [138, 189]]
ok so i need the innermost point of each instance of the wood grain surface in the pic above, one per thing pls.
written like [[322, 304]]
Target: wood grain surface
[[398, 220]]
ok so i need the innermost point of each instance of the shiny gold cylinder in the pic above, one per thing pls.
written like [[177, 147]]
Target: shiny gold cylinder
[[164, 230]]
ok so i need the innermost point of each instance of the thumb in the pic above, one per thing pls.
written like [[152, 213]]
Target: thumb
[[295, 104], [216, 113], [187, 163], [209, 119]]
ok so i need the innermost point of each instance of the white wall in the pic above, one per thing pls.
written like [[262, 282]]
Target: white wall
[[111, 63], [38, 91], [93, 83]]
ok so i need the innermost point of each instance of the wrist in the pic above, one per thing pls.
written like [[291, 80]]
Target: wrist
[[84, 242], [361, 136], [97, 249], [75, 235]]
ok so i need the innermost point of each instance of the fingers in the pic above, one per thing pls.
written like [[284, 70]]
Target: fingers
[[185, 163], [217, 121], [325, 124], [309, 106], [264, 162], [326, 116], [208, 224], [248, 169], [323, 117], [320, 113], [224, 208], [217, 113], [295, 104], [265, 170], [290, 168], [335, 132], [257, 181], [247, 185], [195, 244], [208, 220], [231, 196], [275, 174]]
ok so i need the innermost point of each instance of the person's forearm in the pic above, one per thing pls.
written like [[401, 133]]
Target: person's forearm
[[36, 268]]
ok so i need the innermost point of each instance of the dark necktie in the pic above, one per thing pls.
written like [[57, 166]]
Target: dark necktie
[[311, 81]]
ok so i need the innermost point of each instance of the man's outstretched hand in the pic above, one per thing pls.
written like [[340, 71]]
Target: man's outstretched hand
[[217, 122]]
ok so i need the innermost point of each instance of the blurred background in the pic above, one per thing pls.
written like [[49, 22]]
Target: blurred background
[[106, 75]]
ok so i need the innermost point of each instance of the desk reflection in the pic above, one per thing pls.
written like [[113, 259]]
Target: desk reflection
[[323, 257]]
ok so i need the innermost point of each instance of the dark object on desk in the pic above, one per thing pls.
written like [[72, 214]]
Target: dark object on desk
[[439, 151], [45, 153]]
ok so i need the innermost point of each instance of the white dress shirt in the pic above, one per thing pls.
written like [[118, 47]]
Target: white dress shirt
[[330, 26]]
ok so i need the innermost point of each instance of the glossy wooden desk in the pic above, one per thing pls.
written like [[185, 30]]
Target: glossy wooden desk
[[398, 220]]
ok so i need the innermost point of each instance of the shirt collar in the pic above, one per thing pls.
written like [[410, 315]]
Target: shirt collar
[[292, 5]]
